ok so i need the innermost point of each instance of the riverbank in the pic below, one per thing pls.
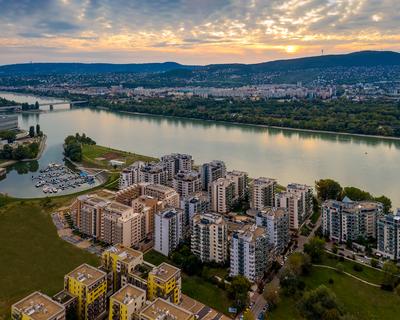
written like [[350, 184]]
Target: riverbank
[[393, 138]]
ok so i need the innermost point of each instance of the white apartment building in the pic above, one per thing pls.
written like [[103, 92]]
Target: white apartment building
[[276, 223], [192, 205], [222, 195], [130, 175], [250, 253], [209, 238], [240, 180], [212, 171], [293, 204], [176, 162], [388, 236], [168, 230], [306, 195], [154, 173], [187, 183], [262, 193], [347, 220]]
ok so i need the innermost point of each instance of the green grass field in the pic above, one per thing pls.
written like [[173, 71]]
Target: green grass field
[[91, 153], [363, 301], [33, 257]]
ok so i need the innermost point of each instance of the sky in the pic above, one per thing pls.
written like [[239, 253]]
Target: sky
[[193, 31]]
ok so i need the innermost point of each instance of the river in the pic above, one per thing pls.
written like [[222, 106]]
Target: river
[[369, 163]]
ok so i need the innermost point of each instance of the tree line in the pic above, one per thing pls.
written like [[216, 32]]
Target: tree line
[[73, 146]]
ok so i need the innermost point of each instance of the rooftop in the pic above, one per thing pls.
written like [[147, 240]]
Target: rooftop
[[165, 271], [160, 309], [86, 274], [263, 180], [39, 306], [125, 254], [128, 294]]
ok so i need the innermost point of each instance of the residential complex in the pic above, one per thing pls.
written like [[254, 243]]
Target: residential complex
[[388, 236], [191, 205], [239, 179], [348, 220], [176, 162], [167, 195], [89, 285], [223, 195], [187, 183], [168, 230], [250, 254], [276, 223], [212, 171], [160, 309], [209, 238], [165, 282], [127, 303], [262, 193]]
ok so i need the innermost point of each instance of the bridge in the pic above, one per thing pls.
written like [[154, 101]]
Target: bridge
[[50, 105]]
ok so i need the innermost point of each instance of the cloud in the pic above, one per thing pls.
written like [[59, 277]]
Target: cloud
[[249, 30]]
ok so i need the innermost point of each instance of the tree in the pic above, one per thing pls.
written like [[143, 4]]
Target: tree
[[238, 291], [387, 203], [339, 267], [36, 105], [374, 263], [320, 303], [31, 131], [356, 194], [247, 315], [8, 135], [290, 283], [328, 189], [298, 263], [38, 132], [271, 294], [315, 249], [390, 275]]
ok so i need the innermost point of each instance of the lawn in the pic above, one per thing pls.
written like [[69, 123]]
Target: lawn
[[33, 257], [99, 156], [359, 299], [314, 217], [155, 257]]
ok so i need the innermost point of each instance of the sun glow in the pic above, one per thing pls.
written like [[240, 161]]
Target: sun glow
[[291, 49]]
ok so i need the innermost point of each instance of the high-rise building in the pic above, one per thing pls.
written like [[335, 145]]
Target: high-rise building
[[222, 195], [165, 282], [191, 205], [167, 195], [89, 285], [293, 204], [187, 183], [120, 261], [148, 206], [250, 253], [347, 220], [131, 175], [160, 309], [176, 162], [154, 173], [209, 238], [262, 193], [37, 306], [128, 194], [240, 180], [276, 222], [305, 194], [212, 171], [168, 230], [126, 303], [388, 236]]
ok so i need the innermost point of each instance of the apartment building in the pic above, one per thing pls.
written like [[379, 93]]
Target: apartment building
[[209, 238], [126, 303], [165, 282], [168, 230], [89, 285], [388, 236], [176, 162], [293, 204], [262, 193], [212, 171], [131, 175], [305, 194], [347, 220], [186, 183], [37, 306], [152, 172], [167, 195], [250, 253], [192, 205], [240, 180], [148, 206], [120, 261], [222, 195], [276, 223], [160, 309], [129, 193]]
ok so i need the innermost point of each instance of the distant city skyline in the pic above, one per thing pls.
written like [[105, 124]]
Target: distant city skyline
[[193, 32]]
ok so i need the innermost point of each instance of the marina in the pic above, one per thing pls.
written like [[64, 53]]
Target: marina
[[57, 177]]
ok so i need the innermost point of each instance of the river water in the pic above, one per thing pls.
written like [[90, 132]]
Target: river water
[[369, 163]]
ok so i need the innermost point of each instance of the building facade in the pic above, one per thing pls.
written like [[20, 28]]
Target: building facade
[[262, 193], [126, 303], [212, 171], [168, 230], [176, 162], [388, 236], [165, 282], [187, 183], [239, 178], [222, 195]]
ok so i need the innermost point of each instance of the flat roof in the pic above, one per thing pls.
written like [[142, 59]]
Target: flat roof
[[38, 306], [160, 309], [127, 294], [86, 274], [165, 271], [124, 253]]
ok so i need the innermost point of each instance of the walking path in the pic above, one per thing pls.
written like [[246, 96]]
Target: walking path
[[346, 273]]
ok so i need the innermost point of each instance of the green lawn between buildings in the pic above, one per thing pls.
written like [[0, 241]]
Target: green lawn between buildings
[[362, 301]]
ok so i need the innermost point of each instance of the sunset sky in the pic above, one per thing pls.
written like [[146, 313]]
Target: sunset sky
[[193, 31]]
